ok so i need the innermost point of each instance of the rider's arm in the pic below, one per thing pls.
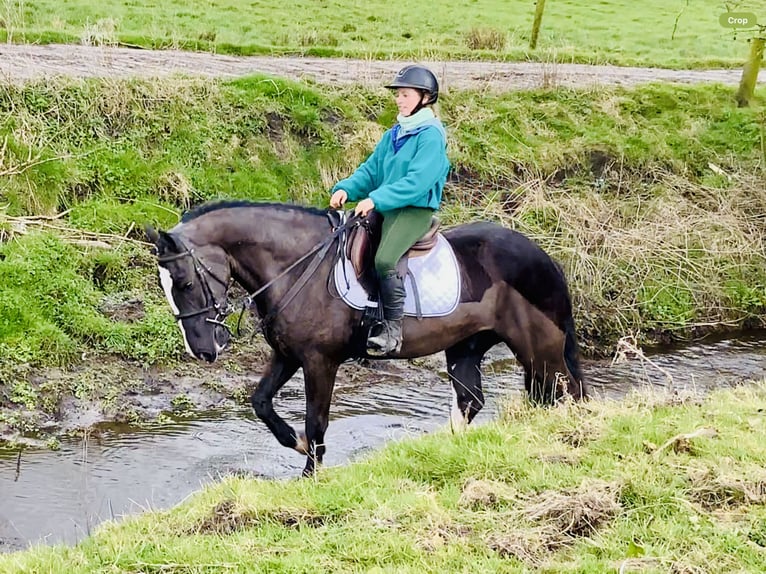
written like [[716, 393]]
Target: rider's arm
[[367, 176], [426, 172]]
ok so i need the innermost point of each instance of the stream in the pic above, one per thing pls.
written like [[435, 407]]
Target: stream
[[59, 496]]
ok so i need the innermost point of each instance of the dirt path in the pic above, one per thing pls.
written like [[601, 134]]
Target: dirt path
[[20, 62]]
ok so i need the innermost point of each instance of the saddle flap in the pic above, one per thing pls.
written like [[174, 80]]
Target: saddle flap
[[362, 242], [427, 242]]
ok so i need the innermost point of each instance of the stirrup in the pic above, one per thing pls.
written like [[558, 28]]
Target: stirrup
[[381, 350], [376, 351]]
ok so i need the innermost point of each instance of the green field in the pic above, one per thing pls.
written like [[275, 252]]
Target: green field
[[668, 33], [651, 484]]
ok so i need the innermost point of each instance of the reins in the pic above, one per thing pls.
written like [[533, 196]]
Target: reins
[[339, 227]]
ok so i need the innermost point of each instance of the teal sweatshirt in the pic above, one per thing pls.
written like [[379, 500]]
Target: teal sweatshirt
[[413, 175]]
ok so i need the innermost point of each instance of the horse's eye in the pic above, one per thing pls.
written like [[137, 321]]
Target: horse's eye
[[186, 286]]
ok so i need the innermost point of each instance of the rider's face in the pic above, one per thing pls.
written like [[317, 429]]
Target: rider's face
[[407, 100]]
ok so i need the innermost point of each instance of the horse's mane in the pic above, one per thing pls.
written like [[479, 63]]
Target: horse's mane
[[225, 204]]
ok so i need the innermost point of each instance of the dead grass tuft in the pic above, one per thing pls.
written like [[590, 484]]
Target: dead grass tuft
[[558, 458], [575, 514], [317, 38], [682, 443], [528, 546], [101, 33], [478, 494], [558, 518], [438, 537], [174, 188], [716, 491], [651, 563], [684, 568], [227, 516], [485, 39], [580, 434]]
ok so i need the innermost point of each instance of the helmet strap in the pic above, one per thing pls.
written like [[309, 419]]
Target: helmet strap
[[421, 105]]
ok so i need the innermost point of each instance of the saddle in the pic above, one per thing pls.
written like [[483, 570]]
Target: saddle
[[364, 239]]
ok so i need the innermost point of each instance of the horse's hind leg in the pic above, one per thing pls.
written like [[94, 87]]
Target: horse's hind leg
[[546, 375], [319, 373], [540, 346], [463, 367], [278, 372]]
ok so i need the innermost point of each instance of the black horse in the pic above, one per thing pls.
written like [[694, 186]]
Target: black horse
[[512, 292]]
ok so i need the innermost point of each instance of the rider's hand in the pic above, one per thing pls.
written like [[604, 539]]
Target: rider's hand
[[364, 207], [338, 198]]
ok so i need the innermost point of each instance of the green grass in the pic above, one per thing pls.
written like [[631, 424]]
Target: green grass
[[678, 33], [616, 184], [577, 488], [52, 299]]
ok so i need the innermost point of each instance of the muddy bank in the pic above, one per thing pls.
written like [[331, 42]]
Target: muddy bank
[[110, 389], [113, 389]]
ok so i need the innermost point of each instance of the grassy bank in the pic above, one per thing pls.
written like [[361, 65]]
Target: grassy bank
[[652, 199], [645, 485], [654, 32]]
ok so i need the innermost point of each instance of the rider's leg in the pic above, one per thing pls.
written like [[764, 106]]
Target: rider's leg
[[401, 229]]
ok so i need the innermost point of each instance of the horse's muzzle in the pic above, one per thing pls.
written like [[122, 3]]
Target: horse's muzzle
[[207, 356]]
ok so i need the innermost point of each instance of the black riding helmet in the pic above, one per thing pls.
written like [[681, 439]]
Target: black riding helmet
[[419, 78]]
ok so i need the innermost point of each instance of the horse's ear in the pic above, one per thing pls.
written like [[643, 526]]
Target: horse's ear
[[163, 241], [151, 234]]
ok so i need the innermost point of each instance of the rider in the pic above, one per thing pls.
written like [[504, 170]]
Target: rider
[[403, 180]]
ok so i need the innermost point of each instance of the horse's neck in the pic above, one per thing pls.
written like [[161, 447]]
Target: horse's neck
[[264, 241]]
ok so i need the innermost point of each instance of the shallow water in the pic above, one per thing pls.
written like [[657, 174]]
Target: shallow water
[[59, 496]]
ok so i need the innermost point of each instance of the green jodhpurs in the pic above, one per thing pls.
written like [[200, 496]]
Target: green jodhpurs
[[401, 229]]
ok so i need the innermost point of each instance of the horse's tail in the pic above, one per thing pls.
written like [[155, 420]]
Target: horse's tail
[[571, 348], [572, 354]]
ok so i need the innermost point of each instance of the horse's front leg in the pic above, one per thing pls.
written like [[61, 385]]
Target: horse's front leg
[[278, 372], [319, 374]]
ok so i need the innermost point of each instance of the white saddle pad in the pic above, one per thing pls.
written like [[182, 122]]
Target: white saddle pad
[[436, 276]]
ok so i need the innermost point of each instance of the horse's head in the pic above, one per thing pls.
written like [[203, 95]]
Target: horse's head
[[196, 282]]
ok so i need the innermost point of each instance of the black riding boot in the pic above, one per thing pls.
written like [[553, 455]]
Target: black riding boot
[[389, 340]]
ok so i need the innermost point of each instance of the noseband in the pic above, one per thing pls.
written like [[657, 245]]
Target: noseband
[[202, 271]]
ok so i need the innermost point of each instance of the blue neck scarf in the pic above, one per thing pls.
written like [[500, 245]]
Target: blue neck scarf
[[409, 123]]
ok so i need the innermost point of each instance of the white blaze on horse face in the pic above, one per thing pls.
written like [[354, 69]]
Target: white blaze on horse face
[[167, 285]]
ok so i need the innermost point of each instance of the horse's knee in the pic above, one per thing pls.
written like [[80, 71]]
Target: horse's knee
[[261, 404]]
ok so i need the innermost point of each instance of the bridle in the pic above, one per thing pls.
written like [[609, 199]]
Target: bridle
[[340, 227], [202, 272]]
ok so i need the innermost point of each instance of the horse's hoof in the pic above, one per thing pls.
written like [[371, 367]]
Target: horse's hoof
[[376, 352], [309, 472], [301, 443]]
